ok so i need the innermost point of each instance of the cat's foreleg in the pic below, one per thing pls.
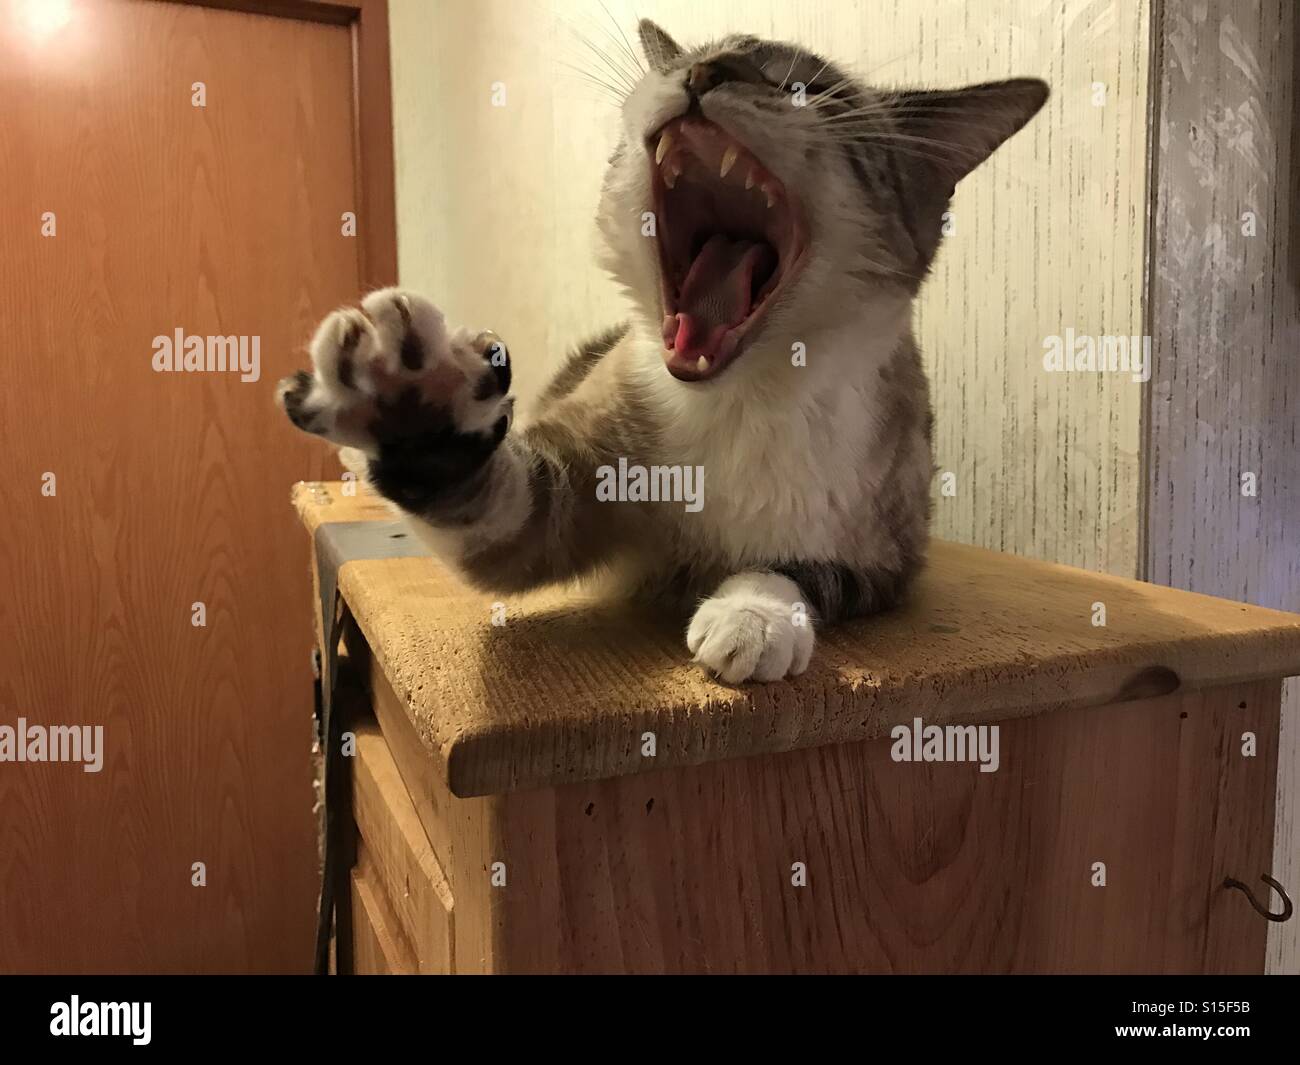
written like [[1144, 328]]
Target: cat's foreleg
[[430, 411]]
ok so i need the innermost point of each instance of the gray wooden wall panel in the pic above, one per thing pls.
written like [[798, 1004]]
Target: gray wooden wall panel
[[1224, 313]]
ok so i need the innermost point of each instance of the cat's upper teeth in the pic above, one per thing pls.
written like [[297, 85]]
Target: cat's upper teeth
[[686, 145]]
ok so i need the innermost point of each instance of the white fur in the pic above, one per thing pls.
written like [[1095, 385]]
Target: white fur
[[749, 629], [796, 492]]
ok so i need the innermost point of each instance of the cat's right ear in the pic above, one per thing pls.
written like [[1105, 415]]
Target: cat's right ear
[[659, 48]]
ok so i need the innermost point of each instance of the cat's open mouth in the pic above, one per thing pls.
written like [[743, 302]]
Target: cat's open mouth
[[729, 238]]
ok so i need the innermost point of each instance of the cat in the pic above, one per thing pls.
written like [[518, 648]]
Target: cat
[[795, 213]]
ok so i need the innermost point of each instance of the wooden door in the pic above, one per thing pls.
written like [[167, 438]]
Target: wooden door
[[164, 167]]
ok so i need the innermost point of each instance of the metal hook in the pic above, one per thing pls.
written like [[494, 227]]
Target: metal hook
[[1264, 911]]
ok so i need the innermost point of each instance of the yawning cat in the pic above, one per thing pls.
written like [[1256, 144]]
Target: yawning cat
[[771, 220]]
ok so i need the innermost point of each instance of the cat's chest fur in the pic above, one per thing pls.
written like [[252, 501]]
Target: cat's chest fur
[[786, 473]]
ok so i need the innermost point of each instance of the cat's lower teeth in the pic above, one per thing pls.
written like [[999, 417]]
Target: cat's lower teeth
[[702, 365]]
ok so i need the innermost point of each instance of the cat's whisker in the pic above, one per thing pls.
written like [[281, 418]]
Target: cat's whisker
[[897, 110], [911, 153], [626, 46], [596, 75], [867, 74], [1017, 179], [907, 144], [895, 139], [820, 70], [606, 88], [854, 146], [827, 97], [794, 58], [587, 71], [619, 74], [882, 268], [614, 67], [942, 150], [903, 142]]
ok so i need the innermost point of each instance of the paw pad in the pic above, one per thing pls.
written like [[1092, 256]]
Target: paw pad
[[389, 372]]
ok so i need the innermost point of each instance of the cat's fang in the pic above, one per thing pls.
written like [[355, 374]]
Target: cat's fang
[[749, 178], [669, 331], [702, 365], [729, 158], [665, 143]]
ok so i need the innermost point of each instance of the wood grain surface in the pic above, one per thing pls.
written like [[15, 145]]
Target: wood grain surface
[[985, 636], [401, 861], [910, 868], [378, 946], [220, 220]]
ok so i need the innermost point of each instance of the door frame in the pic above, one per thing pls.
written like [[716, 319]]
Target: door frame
[[372, 113]]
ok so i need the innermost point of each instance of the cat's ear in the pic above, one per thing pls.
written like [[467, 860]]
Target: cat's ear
[[960, 128], [659, 48]]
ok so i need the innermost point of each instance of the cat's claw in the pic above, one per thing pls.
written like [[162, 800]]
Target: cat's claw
[[753, 628], [390, 376]]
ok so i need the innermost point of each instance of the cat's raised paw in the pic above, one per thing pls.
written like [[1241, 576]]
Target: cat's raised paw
[[754, 627], [390, 375]]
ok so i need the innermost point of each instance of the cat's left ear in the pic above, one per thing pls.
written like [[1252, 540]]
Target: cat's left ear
[[962, 127], [659, 48]]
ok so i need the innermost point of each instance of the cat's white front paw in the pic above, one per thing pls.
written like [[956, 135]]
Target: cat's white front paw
[[755, 627]]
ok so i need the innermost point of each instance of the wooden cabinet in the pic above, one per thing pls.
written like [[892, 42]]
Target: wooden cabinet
[[565, 793], [401, 899]]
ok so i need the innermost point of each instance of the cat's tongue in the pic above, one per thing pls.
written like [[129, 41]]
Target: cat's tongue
[[717, 294]]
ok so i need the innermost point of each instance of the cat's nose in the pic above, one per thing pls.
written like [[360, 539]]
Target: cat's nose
[[702, 77], [710, 74]]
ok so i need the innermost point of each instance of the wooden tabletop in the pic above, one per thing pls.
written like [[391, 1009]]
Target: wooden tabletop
[[567, 688]]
